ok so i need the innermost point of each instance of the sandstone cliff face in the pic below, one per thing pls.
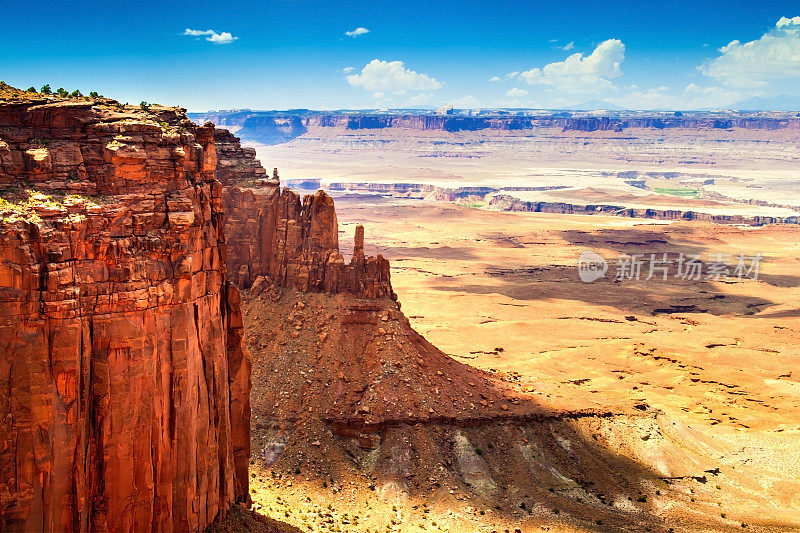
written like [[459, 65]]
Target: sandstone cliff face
[[290, 241], [236, 164], [464, 123], [613, 124], [295, 244], [126, 383]]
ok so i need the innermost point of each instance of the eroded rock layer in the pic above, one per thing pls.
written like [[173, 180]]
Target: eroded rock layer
[[235, 163], [126, 382], [509, 203], [275, 235]]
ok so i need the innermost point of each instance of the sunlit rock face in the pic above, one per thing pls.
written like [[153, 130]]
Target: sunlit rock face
[[285, 239], [126, 383]]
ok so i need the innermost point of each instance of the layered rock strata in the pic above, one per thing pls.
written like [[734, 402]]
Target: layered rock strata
[[289, 240], [273, 127], [294, 242], [126, 382], [237, 164], [509, 203]]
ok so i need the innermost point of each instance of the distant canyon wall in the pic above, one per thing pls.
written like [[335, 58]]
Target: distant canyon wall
[[512, 123], [125, 403], [495, 198], [510, 203], [274, 127]]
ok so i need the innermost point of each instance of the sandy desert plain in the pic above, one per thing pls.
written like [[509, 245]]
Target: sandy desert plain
[[673, 404]]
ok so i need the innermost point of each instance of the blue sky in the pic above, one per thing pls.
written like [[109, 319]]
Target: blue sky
[[277, 55]]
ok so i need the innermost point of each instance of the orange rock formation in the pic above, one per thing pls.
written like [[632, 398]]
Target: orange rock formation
[[290, 241], [127, 383], [121, 334]]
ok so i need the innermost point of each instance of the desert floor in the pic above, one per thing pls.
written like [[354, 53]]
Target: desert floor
[[500, 291], [473, 280], [713, 362], [735, 167]]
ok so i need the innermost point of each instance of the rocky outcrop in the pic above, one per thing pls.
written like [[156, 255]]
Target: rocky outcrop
[[236, 164], [288, 240], [598, 124], [295, 243], [468, 194], [125, 381], [414, 122], [613, 124], [368, 122]]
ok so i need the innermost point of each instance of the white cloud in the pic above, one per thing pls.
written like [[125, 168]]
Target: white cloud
[[702, 97], [569, 46], [653, 98], [774, 56], [516, 93], [380, 75], [197, 33], [465, 102], [348, 70], [579, 73], [560, 103], [421, 98], [356, 32], [212, 36], [505, 102], [692, 97], [221, 38], [509, 76], [379, 95], [785, 21]]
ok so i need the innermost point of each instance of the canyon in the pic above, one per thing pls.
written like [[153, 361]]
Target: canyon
[[562, 417], [721, 166], [612, 405], [279, 237], [125, 240], [184, 336]]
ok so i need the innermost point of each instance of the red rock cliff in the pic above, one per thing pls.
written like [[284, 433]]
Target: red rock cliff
[[237, 164], [125, 382], [291, 241]]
